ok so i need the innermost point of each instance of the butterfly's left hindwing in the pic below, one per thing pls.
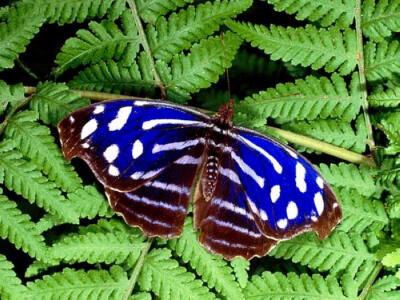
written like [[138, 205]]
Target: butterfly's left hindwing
[[129, 142], [284, 192]]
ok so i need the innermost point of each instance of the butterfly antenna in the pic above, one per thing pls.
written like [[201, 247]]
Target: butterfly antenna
[[226, 69]]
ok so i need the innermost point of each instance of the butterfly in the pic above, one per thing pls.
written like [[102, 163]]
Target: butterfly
[[249, 191]]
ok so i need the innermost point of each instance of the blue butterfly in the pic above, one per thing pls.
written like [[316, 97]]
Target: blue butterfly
[[249, 190]]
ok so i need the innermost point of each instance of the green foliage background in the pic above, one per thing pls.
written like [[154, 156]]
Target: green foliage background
[[325, 70]]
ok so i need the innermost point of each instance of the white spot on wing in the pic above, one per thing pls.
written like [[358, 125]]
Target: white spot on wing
[[145, 175], [176, 145], [282, 223], [319, 203], [111, 153], [320, 182], [188, 160], [153, 123], [113, 170], [98, 109], [88, 128], [71, 119], [275, 193], [137, 149], [247, 169], [291, 153], [85, 145], [121, 118], [230, 174], [263, 215], [300, 177], [292, 210]]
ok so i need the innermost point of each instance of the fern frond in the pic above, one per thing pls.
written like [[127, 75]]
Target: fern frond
[[103, 41], [23, 178], [164, 277], [149, 11], [340, 251], [62, 12], [53, 101], [292, 286], [333, 132], [241, 268], [110, 248], [204, 64], [361, 214], [9, 95], [116, 77], [212, 269], [19, 230], [78, 284], [16, 33], [350, 176], [389, 124], [309, 46], [388, 98], [36, 143], [309, 99], [380, 18], [382, 60], [340, 12], [170, 36], [386, 287], [10, 285]]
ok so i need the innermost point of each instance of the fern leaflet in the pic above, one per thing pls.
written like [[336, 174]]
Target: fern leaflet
[[9, 95], [170, 36], [292, 286], [241, 268], [319, 48], [388, 98], [10, 285], [163, 275], [382, 60], [386, 287], [105, 40], [338, 12], [53, 101], [149, 11], [213, 270], [380, 18], [72, 284]]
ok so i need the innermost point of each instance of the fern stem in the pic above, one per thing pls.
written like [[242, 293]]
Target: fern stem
[[323, 147], [361, 73], [27, 69], [12, 112], [147, 49], [137, 269], [371, 280]]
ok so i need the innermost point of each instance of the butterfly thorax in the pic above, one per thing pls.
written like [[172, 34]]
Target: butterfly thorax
[[223, 118]]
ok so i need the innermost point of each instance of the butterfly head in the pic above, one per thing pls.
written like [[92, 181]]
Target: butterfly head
[[223, 118]]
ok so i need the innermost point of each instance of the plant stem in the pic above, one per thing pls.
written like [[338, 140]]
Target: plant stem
[[137, 269], [361, 73], [289, 136], [12, 112], [147, 49], [27, 69], [323, 147], [371, 280]]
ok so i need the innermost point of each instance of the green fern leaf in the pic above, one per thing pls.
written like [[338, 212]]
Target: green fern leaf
[[241, 268], [386, 287], [388, 98], [361, 214], [309, 46], [110, 248], [292, 286], [20, 28], [36, 268], [36, 143], [141, 296], [149, 11], [62, 12], [115, 77], [213, 269], [340, 251], [380, 18], [164, 277], [350, 176], [10, 95], [338, 12], [333, 132], [170, 36], [392, 259], [10, 285], [53, 101], [389, 124], [19, 230], [393, 206], [23, 178], [72, 284], [310, 99], [204, 64], [382, 60], [103, 41]]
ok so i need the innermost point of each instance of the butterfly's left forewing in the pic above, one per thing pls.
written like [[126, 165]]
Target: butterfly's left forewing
[[285, 193]]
